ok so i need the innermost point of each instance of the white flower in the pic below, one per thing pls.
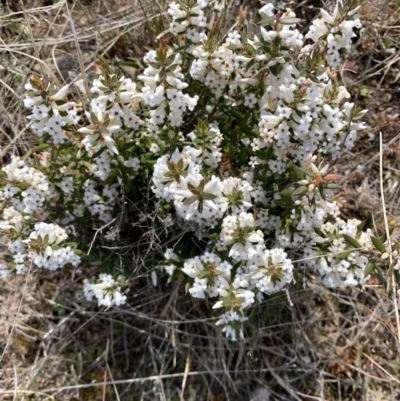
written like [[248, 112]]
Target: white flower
[[271, 270], [61, 93], [236, 194], [327, 17], [198, 194], [132, 162], [239, 232], [167, 174], [210, 274], [232, 324], [54, 233], [106, 290], [99, 132], [4, 271], [53, 127], [267, 9], [67, 185]]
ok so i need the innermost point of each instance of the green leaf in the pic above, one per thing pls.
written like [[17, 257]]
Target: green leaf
[[391, 268], [70, 244], [179, 20], [298, 112], [379, 274], [343, 255], [37, 139], [300, 191], [190, 200], [290, 21], [187, 287], [127, 146], [38, 148], [227, 302], [320, 232], [369, 268], [302, 173], [99, 152], [332, 186], [378, 244], [397, 276], [394, 365], [350, 240], [203, 183], [267, 19], [274, 69], [94, 118], [207, 196], [286, 193], [283, 202], [106, 122], [361, 226], [22, 185]]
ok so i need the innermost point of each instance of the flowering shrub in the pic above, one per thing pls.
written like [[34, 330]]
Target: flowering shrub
[[234, 135]]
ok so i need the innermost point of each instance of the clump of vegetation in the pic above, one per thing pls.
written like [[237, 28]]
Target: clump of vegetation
[[214, 165]]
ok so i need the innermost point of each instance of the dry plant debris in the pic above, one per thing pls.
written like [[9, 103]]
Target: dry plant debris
[[331, 345]]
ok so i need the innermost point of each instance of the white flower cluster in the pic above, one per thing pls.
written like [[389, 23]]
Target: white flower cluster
[[25, 193], [300, 113], [231, 133], [232, 322], [97, 205], [112, 110], [190, 21], [106, 290], [336, 30], [46, 250], [334, 259], [44, 246], [162, 92], [26, 187], [210, 274], [48, 113], [120, 103]]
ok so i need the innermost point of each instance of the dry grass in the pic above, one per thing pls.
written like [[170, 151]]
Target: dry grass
[[330, 345]]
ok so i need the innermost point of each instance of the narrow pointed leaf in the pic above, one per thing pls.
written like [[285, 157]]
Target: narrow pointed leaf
[[378, 244], [351, 241], [286, 193], [391, 268], [190, 200], [300, 191], [361, 226], [397, 276], [379, 274], [369, 268], [343, 255], [94, 118], [290, 21], [207, 196]]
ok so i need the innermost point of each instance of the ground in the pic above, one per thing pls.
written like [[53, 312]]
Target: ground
[[318, 345]]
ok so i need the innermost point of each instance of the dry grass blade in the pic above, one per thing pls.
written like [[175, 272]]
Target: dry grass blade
[[78, 49], [390, 248], [317, 344], [16, 316]]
